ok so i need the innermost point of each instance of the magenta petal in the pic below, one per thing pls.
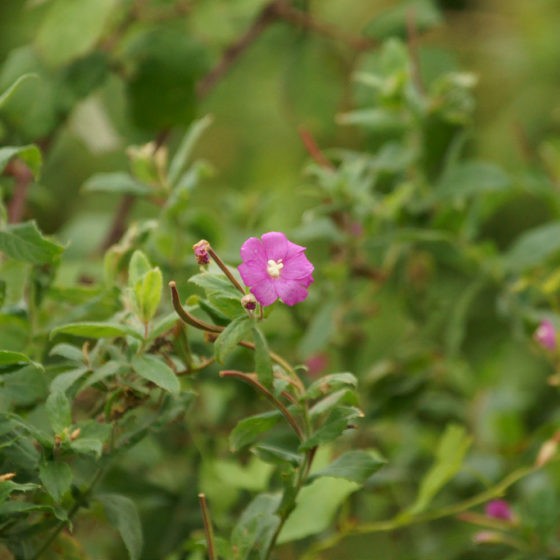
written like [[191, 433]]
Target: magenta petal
[[253, 250], [252, 273], [297, 267], [275, 245], [290, 291], [294, 249], [265, 292]]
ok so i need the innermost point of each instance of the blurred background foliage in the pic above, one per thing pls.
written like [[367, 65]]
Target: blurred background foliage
[[437, 328]]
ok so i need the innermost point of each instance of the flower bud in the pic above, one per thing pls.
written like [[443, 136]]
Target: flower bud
[[545, 335], [201, 252], [249, 302], [7, 476], [546, 452], [498, 509]]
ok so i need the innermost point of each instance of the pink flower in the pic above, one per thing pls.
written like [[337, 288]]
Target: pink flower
[[201, 252], [545, 335], [275, 268], [498, 509], [316, 364]]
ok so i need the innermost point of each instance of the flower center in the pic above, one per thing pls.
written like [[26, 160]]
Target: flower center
[[274, 267]]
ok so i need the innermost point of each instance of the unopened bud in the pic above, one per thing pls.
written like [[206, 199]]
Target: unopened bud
[[249, 302], [487, 537], [201, 252], [7, 476], [498, 509], [75, 434], [545, 335]]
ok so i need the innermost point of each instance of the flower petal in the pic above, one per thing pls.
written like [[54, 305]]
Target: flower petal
[[253, 250], [275, 245], [265, 292], [297, 267], [290, 291], [294, 249], [252, 273]]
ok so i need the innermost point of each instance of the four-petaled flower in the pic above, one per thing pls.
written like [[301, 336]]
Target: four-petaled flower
[[545, 335], [275, 268]]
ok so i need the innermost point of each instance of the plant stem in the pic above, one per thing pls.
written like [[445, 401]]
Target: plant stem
[[208, 529], [187, 317]]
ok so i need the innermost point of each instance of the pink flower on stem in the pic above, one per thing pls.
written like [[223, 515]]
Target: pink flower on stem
[[498, 509], [545, 335], [275, 268]]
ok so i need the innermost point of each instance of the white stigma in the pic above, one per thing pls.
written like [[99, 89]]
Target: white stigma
[[274, 267]]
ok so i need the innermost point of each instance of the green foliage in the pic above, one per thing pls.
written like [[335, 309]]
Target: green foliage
[[24, 242]]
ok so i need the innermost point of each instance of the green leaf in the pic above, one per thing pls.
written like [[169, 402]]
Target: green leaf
[[8, 358], [30, 154], [154, 370], [122, 514], [276, 455], [215, 284], [106, 370], [344, 396], [24, 242], [65, 380], [9, 486], [119, 183], [5, 97], [533, 247], [251, 536], [356, 466], [138, 266], [68, 351], [96, 330], [83, 24], [147, 294], [473, 178], [330, 383], [334, 425], [449, 457], [249, 429], [56, 477], [236, 331], [185, 149], [263, 363], [316, 507], [59, 412]]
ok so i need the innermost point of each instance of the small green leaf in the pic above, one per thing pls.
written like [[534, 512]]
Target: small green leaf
[[473, 178], [24, 242], [248, 429], [67, 351], [184, 151], [263, 363], [56, 477], [251, 536], [449, 457], [215, 284], [65, 380], [147, 294], [118, 183], [59, 412], [84, 22], [96, 330], [330, 383], [356, 466], [9, 486], [30, 154], [158, 372], [276, 455], [6, 96], [334, 425], [8, 358], [316, 507], [138, 266], [122, 514], [344, 396], [533, 247], [236, 331]]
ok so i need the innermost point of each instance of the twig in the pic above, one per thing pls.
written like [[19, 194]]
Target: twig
[[313, 149], [225, 269], [208, 529], [266, 16], [23, 177]]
